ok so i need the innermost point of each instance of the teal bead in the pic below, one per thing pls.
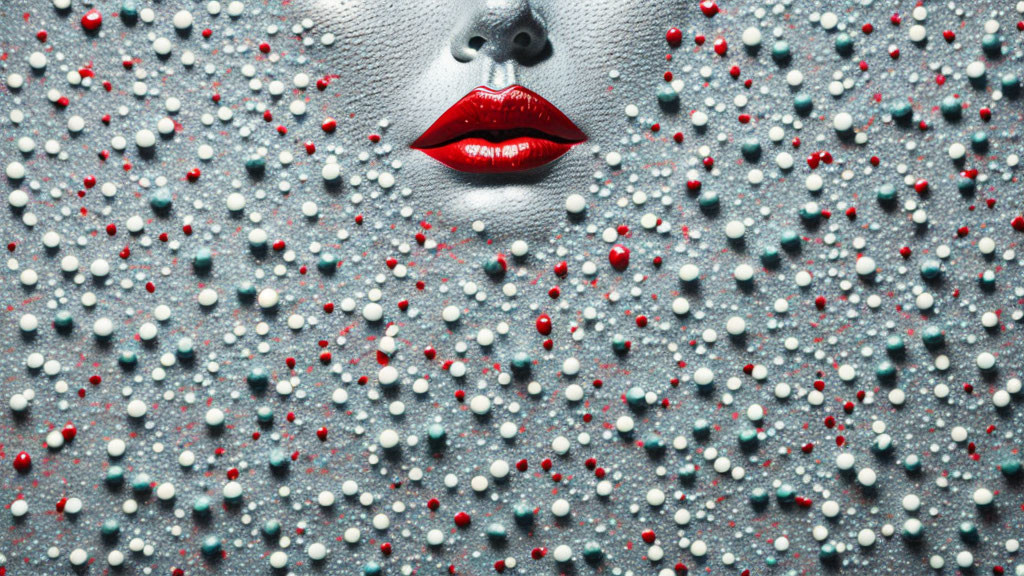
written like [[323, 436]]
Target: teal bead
[[278, 459], [931, 269], [844, 44], [127, 359], [701, 428], [186, 348], [129, 9], [264, 414], [523, 513], [992, 45], [255, 165], [211, 545], [687, 473], [771, 561], [950, 108], [1011, 84], [827, 552], [201, 506], [770, 257], [751, 149], [654, 445], [966, 186], [885, 371], [203, 260], [1010, 467], [894, 344], [635, 397], [979, 141], [901, 111], [708, 201], [789, 240], [592, 552], [933, 336], [913, 532], [619, 344], [987, 280], [886, 194], [667, 94], [968, 532], [810, 213], [327, 264], [521, 363], [785, 494], [271, 528], [372, 569], [748, 439], [882, 444], [115, 476], [110, 528], [759, 498], [803, 104], [912, 463], [63, 321], [160, 200], [494, 267], [246, 291], [142, 483], [781, 52], [258, 379], [495, 531], [436, 434]]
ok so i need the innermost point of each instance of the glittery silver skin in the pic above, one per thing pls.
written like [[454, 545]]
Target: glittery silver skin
[[407, 62]]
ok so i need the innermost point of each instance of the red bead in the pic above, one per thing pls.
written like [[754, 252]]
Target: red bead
[[1018, 223], [522, 465], [538, 553], [709, 8], [41, 35], [265, 48], [618, 257], [321, 433], [433, 504], [641, 321], [721, 46], [985, 114], [819, 302], [92, 20], [462, 520], [22, 462], [867, 28], [921, 186], [207, 33], [678, 137], [385, 548], [562, 269], [69, 432], [674, 37], [648, 536], [949, 35], [544, 324], [329, 125]]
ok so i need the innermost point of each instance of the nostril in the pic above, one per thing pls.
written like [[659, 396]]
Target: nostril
[[477, 42], [522, 40]]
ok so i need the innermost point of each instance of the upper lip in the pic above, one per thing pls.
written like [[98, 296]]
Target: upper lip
[[501, 116]]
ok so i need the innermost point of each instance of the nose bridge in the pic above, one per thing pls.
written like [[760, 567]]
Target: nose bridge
[[502, 30]]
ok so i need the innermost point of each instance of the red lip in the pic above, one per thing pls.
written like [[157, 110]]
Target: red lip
[[496, 131]]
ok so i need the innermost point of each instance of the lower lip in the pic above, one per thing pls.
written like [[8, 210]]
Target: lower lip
[[482, 156]]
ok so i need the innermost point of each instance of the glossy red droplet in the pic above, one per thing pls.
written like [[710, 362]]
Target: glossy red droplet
[[618, 257], [462, 520], [92, 20], [544, 324], [674, 37], [22, 462]]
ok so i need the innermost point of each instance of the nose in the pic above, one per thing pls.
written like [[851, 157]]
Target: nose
[[502, 30]]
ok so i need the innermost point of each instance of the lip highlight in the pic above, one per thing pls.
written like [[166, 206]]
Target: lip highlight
[[497, 131]]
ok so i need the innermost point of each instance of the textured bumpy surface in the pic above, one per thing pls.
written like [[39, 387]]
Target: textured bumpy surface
[[764, 321]]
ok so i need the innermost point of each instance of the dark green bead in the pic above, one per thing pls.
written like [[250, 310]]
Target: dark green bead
[[933, 337], [789, 240], [494, 267], [278, 459], [110, 528], [979, 141], [327, 264], [635, 397], [436, 434], [667, 94], [203, 260], [708, 201], [803, 104], [211, 545], [654, 445], [115, 476], [901, 111], [968, 532], [160, 200], [255, 165], [886, 194], [129, 9], [951, 108], [264, 414], [885, 371], [201, 506], [63, 321], [127, 359], [271, 528], [372, 569], [966, 186], [592, 552], [931, 269], [619, 344], [992, 45], [912, 463], [687, 473], [751, 149], [894, 344], [770, 257], [759, 498], [701, 428], [523, 513], [521, 363], [258, 379], [844, 44], [495, 531], [246, 291], [748, 439], [781, 52], [141, 483], [1010, 467], [827, 552], [785, 493], [1011, 84]]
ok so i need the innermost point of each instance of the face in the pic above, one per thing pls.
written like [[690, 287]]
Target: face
[[494, 107]]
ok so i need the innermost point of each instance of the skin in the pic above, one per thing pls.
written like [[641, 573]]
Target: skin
[[409, 61]]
